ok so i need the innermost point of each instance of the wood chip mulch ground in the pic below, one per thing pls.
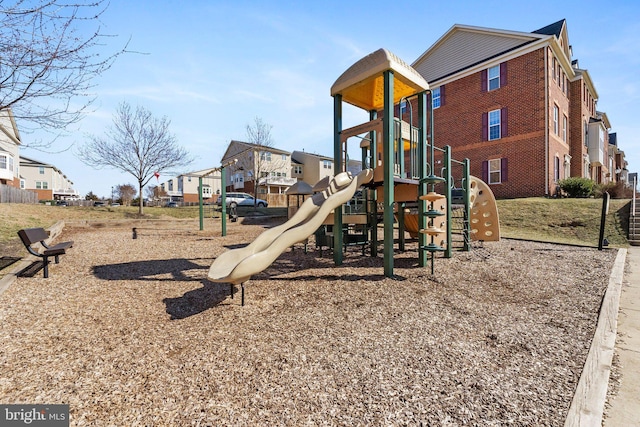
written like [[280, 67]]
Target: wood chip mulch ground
[[130, 332]]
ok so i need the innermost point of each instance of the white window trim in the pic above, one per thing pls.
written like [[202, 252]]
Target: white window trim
[[435, 99], [496, 78], [498, 170], [499, 125]]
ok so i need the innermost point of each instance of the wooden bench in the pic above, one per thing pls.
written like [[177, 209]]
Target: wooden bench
[[31, 236]]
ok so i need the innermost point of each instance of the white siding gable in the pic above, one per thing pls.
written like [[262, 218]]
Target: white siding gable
[[463, 47]]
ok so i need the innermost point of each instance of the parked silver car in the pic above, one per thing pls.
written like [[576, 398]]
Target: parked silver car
[[242, 199]]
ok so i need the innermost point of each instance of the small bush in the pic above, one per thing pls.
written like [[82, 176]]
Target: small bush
[[617, 190], [576, 187]]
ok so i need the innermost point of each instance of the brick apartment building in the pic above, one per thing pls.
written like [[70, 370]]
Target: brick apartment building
[[519, 107]]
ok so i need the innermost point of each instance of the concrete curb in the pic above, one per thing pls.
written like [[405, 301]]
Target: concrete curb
[[587, 407]]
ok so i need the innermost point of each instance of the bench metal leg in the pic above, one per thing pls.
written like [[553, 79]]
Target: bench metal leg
[[45, 266], [57, 260], [231, 289], [242, 299]]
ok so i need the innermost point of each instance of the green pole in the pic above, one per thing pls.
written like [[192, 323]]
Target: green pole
[[467, 207], [447, 193], [200, 201], [422, 173], [337, 165], [387, 144], [223, 195], [373, 151]]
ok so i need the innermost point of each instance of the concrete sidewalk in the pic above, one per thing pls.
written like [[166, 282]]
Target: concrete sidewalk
[[625, 406]]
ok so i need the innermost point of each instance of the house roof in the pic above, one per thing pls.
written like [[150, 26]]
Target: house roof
[[27, 161], [554, 29], [305, 153], [362, 84], [249, 147], [8, 126], [299, 188], [465, 48], [199, 173]]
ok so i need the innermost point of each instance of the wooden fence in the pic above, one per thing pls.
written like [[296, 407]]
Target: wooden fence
[[16, 195]]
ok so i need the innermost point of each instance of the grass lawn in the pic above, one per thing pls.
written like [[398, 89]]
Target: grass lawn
[[571, 221]]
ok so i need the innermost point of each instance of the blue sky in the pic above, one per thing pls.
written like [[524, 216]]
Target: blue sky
[[211, 67]]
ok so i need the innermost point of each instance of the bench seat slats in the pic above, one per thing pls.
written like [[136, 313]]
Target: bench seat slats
[[31, 236]]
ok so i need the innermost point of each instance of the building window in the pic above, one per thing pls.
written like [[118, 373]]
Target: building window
[[297, 169], [495, 171], [403, 107], [435, 98], [22, 184], [554, 68], [265, 155], [556, 117], [494, 125], [170, 185], [494, 77], [585, 134], [41, 170], [326, 164], [42, 185], [564, 128], [556, 169], [3, 161], [11, 164], [587, 167]]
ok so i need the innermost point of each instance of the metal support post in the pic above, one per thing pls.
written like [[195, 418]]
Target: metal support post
[[223, 196], [387, 144], [447, 194], [422, 173], [337, 168], [201, 210]]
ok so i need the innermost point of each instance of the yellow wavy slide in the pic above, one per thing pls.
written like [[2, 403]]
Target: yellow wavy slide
[[238, 265]]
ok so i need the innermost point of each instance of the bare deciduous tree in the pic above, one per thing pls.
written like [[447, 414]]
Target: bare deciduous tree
[[126, 192], [259, 135], [136, 143], [50, 52]]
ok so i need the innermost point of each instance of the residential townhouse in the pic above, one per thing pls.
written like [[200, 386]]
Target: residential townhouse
[[618, 162], [267, 168], [185, 187], [518, 106], [311, 167], [46, 180], [170, 188], [9, 150]]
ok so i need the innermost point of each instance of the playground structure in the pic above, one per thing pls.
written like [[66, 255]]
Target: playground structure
[[399, 170], [403, 157]]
